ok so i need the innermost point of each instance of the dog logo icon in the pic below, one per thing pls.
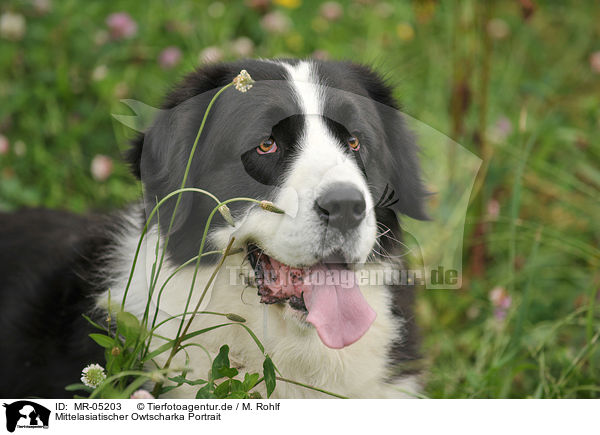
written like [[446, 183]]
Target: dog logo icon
[[26, 414]]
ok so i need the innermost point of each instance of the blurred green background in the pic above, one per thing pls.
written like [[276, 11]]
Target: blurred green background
[[516, 82]]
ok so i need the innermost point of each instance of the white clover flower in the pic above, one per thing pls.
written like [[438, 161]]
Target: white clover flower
[[12, 26], [243, 46], [243, 82], [211, 55], [93, 375]]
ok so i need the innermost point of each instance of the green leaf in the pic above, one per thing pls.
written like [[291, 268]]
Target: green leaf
[[134, 386], [94, 324], [128, 326], [181, 380], [269, 374], [221, 360], [103, 340], [110, 392], [220, 365], [225, 372], [250, 380], [205, 393], [168, 345], [168, 388], [236, 386], [161, 349], [78, 387], [222, 391], [116, 366], [238, 395]]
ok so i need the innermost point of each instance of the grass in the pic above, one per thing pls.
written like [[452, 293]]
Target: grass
[[525, 101]]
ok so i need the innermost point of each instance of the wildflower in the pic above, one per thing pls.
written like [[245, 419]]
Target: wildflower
[[595, 62], [20, 148], [93, 375], [121, 25], [501, 301], [99, 73], [242, 46], [12, 26], [405, 31], [331, 11], [500, 131], [290, 4], [500, 297], [384, 10], [500, 314], [4, 145], [276, 22], [473, 312], [226, 213], [215, 10], [141, 394], [493, 209], [169, 57], [101, 167], [243, 82], [42, 7], [211, 55], [497, 28]]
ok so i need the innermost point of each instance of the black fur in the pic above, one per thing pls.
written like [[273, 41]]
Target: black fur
[[45, 263]]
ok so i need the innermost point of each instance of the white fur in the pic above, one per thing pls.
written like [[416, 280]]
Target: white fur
[[359, 370]]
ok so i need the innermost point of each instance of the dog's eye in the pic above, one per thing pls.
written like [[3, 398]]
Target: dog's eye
[[353, 143], [267, 146]]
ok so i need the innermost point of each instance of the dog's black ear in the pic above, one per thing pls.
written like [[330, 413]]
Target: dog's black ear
[[195, 83], [403, 190]]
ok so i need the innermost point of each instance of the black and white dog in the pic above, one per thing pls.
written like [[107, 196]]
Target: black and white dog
[[321, 140]]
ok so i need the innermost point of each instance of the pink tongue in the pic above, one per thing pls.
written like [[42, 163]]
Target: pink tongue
[[336, 307]]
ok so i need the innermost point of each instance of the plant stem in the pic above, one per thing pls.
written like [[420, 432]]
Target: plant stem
[[145, 231], [175, 349], [185, 176], [162, 288], [300, 384]]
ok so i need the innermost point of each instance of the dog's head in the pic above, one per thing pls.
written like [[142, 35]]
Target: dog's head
[[324, 141]]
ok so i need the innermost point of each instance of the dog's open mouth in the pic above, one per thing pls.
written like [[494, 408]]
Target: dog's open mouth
[[328, 293]]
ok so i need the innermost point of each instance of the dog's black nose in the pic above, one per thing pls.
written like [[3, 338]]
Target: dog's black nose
[[342, 206]]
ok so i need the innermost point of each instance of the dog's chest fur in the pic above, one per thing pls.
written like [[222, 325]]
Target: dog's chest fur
[[358, 371]]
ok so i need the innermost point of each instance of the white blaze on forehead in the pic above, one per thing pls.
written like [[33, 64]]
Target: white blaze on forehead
[[321, 160], [306, 87]]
